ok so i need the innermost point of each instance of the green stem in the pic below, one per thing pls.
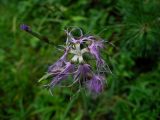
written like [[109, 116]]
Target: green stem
[[40, 37], [85, 106]]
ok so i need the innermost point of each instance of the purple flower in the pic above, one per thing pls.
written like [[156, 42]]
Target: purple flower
[[96, 84], [67, 69], [25, 27], [73, 62]]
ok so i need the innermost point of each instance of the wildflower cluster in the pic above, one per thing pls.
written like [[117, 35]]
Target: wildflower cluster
[[77, 66]]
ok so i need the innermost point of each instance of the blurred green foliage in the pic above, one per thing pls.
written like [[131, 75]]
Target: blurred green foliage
[[133, 90]]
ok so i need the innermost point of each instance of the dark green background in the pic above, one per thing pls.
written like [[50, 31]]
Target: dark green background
[[133, 90]]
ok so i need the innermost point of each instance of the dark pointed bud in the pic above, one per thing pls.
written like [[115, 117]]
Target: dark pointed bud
[[25, 27]]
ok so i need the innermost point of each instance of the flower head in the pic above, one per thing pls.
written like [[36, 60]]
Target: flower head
[[76, 65]]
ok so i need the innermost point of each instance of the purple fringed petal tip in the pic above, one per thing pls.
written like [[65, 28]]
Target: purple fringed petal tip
[[96, 84], [59, 64], [83, 71], [68, 68], [25, 27]]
